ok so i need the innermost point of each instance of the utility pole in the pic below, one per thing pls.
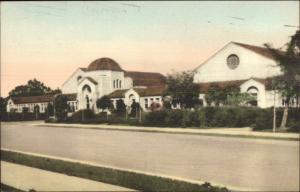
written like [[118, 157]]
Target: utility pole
[[274, 112]]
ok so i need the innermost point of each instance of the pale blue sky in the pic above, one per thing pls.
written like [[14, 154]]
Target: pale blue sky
[[49, 40]]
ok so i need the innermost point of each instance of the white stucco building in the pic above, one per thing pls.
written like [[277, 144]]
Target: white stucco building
[[104, 76], [247, 66]]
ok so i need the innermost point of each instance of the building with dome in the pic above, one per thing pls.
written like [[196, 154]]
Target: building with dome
[[104, 76]]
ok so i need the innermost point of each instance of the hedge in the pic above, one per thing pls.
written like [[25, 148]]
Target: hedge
[[257, 118], [205, 117], [28, 116]]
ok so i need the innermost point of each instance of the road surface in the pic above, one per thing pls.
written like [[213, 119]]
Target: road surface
[[256, 164]]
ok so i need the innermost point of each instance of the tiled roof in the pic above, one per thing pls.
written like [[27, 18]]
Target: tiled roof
[[118, 93], [143, 92], [150, 91], [104, 64], [33, 99], [41, 98], [71, 96], [223, 84], [146, 78], [259, 50]]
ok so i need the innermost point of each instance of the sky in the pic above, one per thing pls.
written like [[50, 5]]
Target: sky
[[50, 40]]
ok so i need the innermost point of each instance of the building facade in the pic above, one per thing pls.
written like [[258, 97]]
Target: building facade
[[104, 76], [249, 67]]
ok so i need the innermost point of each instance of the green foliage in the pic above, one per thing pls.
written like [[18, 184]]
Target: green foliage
[[156, 118], [288, 83], [167, 105], [2, 105], [264, 119], [174, 118], [215, 95], [61, 107], [50, 109], [135, 107], [132, 180], [120, 107], [230, 95], [81, 116], [26, 116], [104, 103], [32, 88], [182, 89], [204, 117]]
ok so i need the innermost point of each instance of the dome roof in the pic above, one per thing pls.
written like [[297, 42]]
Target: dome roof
[[104, 64]]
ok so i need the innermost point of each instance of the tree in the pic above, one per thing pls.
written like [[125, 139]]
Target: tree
[[288, 84], [229, 95], [32, 88], [182, 89], [50, 110], [135, 108], [214, 95], [2, 105], [120, 107], [104, 103], [61, 107]]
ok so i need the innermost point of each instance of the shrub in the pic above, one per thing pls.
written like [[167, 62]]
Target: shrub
[[156, 118], [294, 127], [174, 118], [191, 119], [82, 115], [29, 116]]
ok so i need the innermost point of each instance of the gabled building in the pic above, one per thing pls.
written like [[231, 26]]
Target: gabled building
[[17, 104], [105, 76], [249, 67]]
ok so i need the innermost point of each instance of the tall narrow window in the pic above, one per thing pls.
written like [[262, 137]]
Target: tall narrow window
[[114, 84], [120, 84], [146, 103], [87, 102]]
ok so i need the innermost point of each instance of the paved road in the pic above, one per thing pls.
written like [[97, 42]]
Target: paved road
[[266, 165]]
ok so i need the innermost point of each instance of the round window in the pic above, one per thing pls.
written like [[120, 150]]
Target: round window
[[233, 61]]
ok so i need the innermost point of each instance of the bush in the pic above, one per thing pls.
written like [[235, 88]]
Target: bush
[[156, 118], [174, 118], [215, 117], [29, 116], [263, 121], [82, 115]]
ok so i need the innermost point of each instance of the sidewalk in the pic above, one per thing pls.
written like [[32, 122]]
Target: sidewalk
[[26, 178], [231, 132]]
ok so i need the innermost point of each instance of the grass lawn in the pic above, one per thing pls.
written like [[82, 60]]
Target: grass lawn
[[122, 178]]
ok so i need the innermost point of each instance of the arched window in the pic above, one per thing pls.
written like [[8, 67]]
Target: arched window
[[78, 78], [252, 91], [114, 84], [87, 87]]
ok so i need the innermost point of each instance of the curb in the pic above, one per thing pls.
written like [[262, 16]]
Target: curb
[[161, 130], [231, 188]]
